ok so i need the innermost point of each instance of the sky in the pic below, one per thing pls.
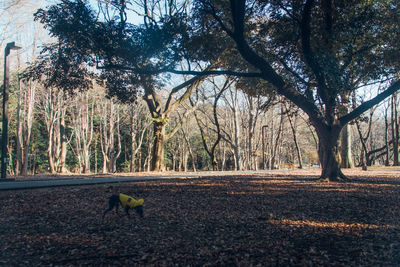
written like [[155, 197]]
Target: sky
[[17, 24]]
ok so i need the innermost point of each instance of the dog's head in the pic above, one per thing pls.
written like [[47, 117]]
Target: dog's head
[[139, 207], [139, 210]]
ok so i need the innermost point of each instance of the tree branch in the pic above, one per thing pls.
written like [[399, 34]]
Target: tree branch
[[395, 86], [183, 72], [307, 50]]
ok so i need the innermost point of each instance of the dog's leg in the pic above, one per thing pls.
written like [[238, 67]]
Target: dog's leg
[[112, 201], [117, 208], [127, 210]]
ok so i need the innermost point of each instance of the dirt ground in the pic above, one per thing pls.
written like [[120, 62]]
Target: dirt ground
[[281, 218]]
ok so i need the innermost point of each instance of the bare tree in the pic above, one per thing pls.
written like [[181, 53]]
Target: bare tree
[[52, 104], [232, 134], [25, 110], [82, 113], [395, 129], [139, 125], [110, 135], [292, 115]]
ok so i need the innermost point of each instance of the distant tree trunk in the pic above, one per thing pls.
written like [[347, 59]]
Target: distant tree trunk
[[49, 106], [345, 143], [363, 139], [50, 145], [345, 135], [212, 151], [293, 127], [82, 117], [25, 113], [138, 127], [189, 149], [386, 137], [133, 148], [223, 159], [269, 145], [236, 140], [110, 136], [148, 159], [95, 152], [250, 134], [204, 138], [63, 139], [275, 144], [26, 102], [395, 130], [254, 112]]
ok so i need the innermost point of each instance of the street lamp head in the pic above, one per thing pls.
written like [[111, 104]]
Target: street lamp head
[[13, 46]]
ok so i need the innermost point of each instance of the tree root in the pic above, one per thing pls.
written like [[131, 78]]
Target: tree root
[[335, 180], [340, 178]]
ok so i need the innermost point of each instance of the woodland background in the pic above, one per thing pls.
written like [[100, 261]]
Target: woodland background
[[221, 126]]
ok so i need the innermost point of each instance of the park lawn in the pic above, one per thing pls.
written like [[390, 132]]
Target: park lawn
[[269, 219]]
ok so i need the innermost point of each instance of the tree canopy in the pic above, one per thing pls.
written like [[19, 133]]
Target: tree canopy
[[317, 54]]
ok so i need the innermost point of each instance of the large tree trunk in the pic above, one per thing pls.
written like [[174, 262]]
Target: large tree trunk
[[329, 154], [157, 161]]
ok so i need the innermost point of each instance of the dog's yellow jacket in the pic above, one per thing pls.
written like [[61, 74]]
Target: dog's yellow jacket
[[130, 201]]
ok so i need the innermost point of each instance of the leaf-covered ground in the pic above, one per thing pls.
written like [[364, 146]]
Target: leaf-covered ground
[[264, 220]]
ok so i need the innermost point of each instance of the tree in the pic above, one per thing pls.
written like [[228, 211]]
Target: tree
[[62, 73], [139, 124], [110, 134], [130, 56], [82, 112], [232, 135], [211, 147], [292, 118], [311, 52], [25, 112]]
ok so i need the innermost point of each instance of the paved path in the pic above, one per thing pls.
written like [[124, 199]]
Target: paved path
[[31, 184]]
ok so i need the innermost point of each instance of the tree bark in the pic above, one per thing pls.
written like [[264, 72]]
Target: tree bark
[[63, 139], [329, 153], [293, 127], [345, 143], [185, 137], [395, 131], [157, 161], [386, 137]]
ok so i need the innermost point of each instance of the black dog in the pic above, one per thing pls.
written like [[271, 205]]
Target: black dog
[[126, 202]]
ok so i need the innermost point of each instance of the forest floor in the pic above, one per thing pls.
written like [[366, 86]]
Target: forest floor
[[280, 218]]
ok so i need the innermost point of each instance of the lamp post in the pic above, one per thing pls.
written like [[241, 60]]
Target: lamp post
[[10, 46], [263, 144]]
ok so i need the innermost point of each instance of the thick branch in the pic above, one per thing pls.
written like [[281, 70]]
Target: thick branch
[[180, 123], [268, 73], [191, 84], [183, 72], [309, 55], [370, 103]]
